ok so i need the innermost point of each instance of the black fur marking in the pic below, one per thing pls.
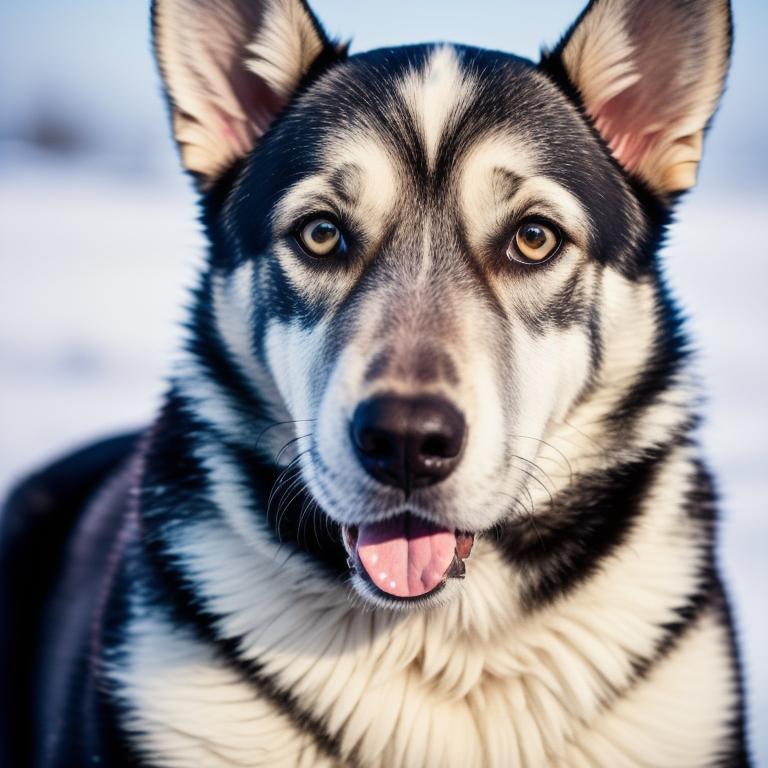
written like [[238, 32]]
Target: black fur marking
[[293, 514], [175, 591], [734, 753], [176, 482], [288, 704], [206, 344], [569, 307], [579, 529]]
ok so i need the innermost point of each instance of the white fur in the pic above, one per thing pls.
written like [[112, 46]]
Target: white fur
[[578, 441], [436, 95], [294, 356], [599, 56], [674, 717], [484, 205], [211, 403], [191, 710], [467, 500], [371, 173]]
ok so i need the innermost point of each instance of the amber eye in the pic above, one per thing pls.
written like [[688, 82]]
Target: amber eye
[[534, 242], [321, 238]]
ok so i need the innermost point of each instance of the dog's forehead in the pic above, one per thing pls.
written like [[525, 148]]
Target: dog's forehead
[[420, 128], [426, 106], [425, 111]]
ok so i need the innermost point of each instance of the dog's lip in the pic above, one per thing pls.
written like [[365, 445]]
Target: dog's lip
[[456, 569], [349, 535]]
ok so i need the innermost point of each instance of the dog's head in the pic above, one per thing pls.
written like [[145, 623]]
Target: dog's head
[[426, 260]]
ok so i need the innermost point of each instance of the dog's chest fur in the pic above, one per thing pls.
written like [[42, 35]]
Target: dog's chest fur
[[463, 687], [475, 683]]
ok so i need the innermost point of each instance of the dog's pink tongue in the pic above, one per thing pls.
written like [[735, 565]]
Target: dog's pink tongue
[[405, 556]]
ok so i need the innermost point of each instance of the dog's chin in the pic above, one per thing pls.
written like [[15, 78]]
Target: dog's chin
[[426, 562], [373, 598]]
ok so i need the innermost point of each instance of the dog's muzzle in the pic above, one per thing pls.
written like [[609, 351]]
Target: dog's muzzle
[[408, 443]]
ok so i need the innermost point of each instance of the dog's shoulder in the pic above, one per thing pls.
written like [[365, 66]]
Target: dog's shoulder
[[57, 532]]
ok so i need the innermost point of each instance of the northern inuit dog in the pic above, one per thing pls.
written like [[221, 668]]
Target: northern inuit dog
[[424, 491]]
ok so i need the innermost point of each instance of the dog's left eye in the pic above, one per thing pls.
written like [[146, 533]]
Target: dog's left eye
[[534, 242], [321, 238]]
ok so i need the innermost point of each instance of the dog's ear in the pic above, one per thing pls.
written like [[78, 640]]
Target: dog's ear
[[649, 73], [229, 67]]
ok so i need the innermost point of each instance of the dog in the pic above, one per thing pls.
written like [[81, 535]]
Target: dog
[[425, 490]]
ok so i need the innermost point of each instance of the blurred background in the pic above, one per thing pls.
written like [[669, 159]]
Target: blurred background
[[99, 244]]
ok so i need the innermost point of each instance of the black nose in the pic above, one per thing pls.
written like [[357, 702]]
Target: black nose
[[408, 442]]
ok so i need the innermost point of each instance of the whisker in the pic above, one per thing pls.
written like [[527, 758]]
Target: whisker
[[316, 514], [532, 518], [533, 477], [281, 479], [597, 445], [534, 464], [278, 424], [289, 444], [530, 513], [549, 445], [329, 530], [303, 516], [517, 502], [294, 489]]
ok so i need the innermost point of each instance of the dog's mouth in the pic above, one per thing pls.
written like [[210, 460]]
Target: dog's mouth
[[406, 556]]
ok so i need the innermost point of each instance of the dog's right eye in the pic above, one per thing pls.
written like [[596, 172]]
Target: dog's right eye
[[534, 242], [320, 238]]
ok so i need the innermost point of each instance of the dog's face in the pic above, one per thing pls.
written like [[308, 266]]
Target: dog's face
[[413, 263], [426, 289]]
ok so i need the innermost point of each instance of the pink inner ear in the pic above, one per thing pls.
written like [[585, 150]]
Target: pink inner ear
[[628, 144], [239, 134], [259, 102], [260, 105], [635, 120]]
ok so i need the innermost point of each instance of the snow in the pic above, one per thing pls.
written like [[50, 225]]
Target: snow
[[92, 290]]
